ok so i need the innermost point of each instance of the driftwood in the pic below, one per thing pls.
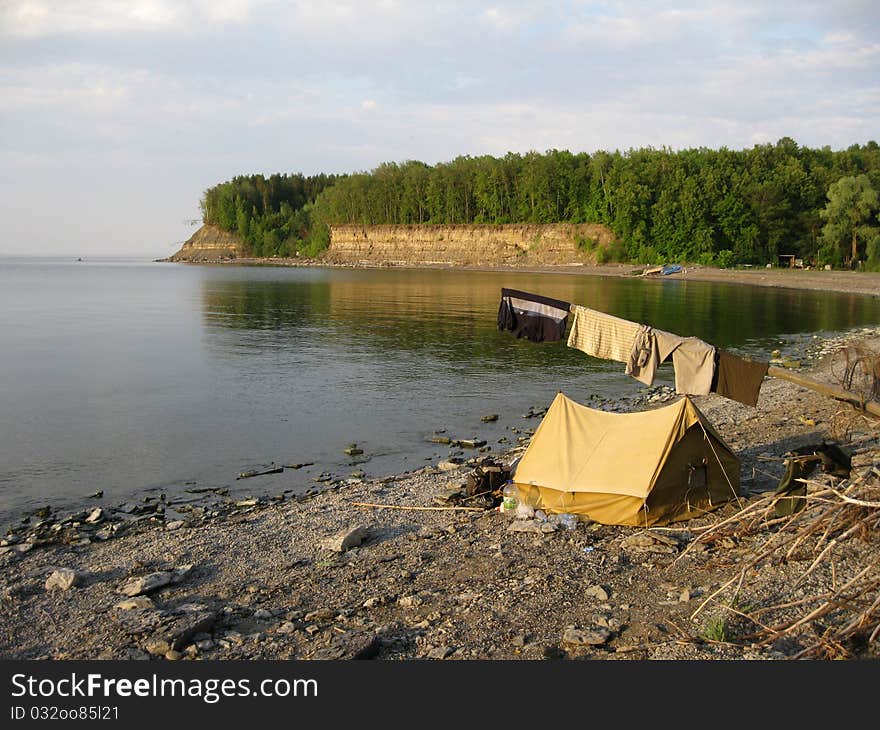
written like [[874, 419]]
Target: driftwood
[[827, 623], [833, 391]]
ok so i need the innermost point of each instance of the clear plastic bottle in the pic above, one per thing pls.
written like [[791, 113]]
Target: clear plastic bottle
[[509, 498]]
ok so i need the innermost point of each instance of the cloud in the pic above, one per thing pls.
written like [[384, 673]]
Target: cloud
[[223, 87], [41, 18]]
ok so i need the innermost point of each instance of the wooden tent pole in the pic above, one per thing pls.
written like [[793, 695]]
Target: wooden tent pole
[[871, 406]]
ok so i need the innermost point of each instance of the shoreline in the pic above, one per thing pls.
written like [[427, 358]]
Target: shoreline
[[845, 282], [425, 584]]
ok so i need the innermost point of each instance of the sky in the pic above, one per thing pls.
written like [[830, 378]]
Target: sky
[[116, 116]]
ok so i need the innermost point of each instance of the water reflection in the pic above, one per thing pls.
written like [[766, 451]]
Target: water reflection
[[450, 315]]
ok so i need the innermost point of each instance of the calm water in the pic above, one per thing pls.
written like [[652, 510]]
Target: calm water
[[126, 376]]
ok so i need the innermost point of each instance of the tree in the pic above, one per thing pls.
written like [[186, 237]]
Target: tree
[[849, 215]]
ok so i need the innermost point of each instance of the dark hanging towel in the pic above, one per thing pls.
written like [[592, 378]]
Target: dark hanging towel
[[537, 318], [737, 378]]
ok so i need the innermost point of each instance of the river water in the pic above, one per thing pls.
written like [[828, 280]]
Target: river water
[[130, 376]]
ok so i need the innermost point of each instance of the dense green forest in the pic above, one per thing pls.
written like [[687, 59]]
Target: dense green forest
[[271, 214], [722, 207]]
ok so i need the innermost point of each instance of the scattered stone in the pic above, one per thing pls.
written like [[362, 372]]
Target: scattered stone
[[440, 652], [262, 614], [492, 417], [154, 581], [353, 450], [347, 539], [97, 495], [597, 592], [372, 602], [138, 602], [450, 464], [322, 614], [448, 497], [157, 647], [270, 469], [187, 621], [589, 637], [352, 645], [469, 443], [173, 655], [684, 596], [95, 516], [409, 601], [174, 524], [62, 579], [639, 540], [440, 440]]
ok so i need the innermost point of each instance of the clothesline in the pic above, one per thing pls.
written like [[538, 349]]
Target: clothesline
[[700, 368]]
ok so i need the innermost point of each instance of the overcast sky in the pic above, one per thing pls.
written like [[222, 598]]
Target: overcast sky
[[115, 116]]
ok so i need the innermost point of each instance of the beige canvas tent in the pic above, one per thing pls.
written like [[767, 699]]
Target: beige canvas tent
[[644, 468]]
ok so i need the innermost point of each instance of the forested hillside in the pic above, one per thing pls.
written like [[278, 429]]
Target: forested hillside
[[720, 207], [271, 214]]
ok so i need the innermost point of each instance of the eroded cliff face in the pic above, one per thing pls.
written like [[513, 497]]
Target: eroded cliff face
[[210, 244], [467, 245], [516, 244]]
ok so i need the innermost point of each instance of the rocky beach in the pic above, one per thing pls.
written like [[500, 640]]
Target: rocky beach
[[400, 568]]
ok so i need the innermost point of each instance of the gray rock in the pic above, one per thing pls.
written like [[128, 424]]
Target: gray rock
[[96, 515], [154, 581], [187, 621], [262, 613], [589, 637], [138, 602], [439, 652], [351, 645], [449, 464], [347, 539], [157, 646], [321, 614], [63, 579]]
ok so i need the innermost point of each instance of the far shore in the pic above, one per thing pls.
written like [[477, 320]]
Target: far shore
[[851, 282]]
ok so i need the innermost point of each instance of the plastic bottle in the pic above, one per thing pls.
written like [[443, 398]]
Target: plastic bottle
[[509, 498]]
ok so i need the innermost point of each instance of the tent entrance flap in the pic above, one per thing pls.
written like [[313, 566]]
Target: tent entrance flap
[[627, 469]]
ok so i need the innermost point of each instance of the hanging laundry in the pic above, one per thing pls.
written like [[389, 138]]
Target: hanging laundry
[[602, 335], [694, 362], [738, 379], [536, 318], [650, 348]]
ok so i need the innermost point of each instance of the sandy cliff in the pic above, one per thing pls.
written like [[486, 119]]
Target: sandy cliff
[[520, 244], [210, 244], [475, 245]]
